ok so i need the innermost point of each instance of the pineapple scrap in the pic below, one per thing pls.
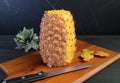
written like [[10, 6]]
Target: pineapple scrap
[[101, 54], [87, 54]]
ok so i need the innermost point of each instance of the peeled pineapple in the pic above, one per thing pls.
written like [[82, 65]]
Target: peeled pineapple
[[57, 38]]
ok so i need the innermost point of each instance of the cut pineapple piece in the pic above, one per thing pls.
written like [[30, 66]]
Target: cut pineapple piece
[[57, 38], [87, 54], [101, 54]]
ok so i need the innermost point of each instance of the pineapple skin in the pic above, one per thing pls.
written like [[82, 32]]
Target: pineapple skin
[[57, 38]]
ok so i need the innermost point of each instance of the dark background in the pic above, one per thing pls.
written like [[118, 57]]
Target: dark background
[[92, 17]]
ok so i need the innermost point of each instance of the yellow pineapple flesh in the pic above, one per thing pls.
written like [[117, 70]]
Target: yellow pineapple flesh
[[57, 38]]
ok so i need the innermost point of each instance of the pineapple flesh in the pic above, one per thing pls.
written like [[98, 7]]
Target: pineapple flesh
[[57, 38]]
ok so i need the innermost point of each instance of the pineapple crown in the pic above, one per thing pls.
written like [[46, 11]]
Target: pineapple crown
[[27, 39]]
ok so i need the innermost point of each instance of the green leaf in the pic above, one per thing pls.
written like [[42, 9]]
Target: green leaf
[[27, 48], [31, 33], [34, 45], [19, 36], [35, 38], [20, 46], [27, 39]]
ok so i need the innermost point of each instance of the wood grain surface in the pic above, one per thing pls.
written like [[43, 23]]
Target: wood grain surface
[[32, 63]]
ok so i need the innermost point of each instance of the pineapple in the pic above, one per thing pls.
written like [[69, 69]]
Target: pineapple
[[57, 38]]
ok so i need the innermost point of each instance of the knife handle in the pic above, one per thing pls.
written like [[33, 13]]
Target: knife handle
[[27, 79]]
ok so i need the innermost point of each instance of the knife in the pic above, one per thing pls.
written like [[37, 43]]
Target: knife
[[42, 75], [3, 73]]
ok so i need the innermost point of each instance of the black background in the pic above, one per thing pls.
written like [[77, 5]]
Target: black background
[[92, 17]]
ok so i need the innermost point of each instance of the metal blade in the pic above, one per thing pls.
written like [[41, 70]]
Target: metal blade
[[66, 70]]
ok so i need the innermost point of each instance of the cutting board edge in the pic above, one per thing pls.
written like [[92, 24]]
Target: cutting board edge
[[97, 69]]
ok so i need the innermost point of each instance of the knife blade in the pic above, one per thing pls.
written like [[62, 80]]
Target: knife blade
[[42, 75]]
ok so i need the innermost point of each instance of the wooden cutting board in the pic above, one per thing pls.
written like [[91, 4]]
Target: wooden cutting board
[[32, 63]]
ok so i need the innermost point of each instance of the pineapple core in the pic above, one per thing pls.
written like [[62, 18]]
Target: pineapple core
[[57, 38]]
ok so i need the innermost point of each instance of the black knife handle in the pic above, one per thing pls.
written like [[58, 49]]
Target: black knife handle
[[27, 78]]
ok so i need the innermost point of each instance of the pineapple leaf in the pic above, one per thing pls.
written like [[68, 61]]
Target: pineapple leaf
[[27, 39], [19, 36], [31, 33], [35, 37], [33, 45], [27, 48]]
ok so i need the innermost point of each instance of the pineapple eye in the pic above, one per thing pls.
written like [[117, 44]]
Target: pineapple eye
[[49, 25], [64, 39], [49, 59], [42, 24], [62, 44], [63, 31], [55, 42], [57, 37], [46, 16], [55, 29], [52, 20], [64, 52], [44, 29], [63, 57], [54, 55], [50, 33], [43, 47], [58, 50], [60, 23], [48, 38]]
